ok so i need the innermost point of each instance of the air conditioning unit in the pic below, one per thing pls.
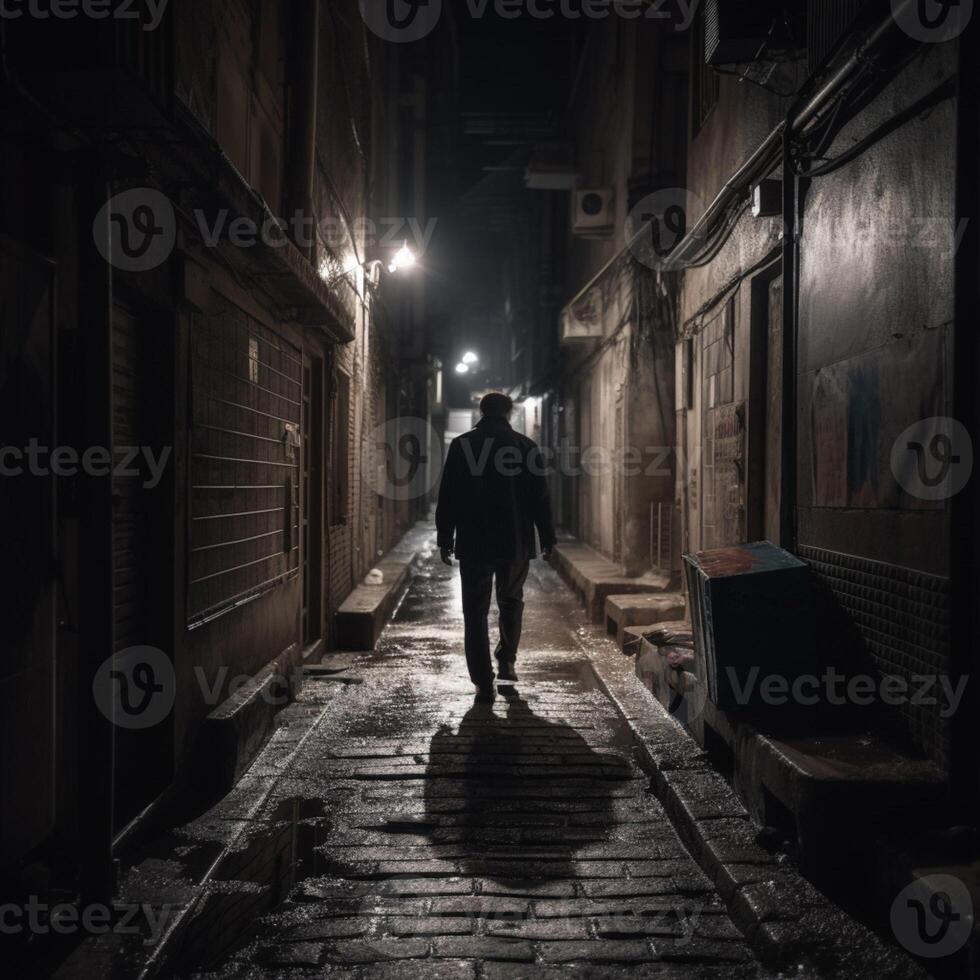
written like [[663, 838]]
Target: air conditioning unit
[[735, 31], [552, 168], [594, 215]]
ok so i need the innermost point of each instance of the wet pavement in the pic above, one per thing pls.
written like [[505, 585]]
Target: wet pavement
[[408, 832]]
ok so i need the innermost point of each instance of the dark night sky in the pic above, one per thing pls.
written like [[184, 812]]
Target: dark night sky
[[512, 68], [516, 72]]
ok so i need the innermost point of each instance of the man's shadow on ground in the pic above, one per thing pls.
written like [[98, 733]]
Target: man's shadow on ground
[[514, 795]]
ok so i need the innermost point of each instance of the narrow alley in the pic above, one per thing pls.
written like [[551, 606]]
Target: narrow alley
[[468, 835], [393, 828], [473, 835]]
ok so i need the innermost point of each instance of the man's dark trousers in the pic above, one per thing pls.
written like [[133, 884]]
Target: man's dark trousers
[[478, 579]]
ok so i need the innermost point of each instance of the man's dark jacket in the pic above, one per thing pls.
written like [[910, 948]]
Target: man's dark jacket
[[493, 495]]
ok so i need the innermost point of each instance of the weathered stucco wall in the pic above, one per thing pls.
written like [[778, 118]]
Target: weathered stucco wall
[[876, 248], [623, 381], [875, 357], [875, 332]]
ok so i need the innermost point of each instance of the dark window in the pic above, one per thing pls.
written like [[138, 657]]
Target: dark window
[[704, 79]]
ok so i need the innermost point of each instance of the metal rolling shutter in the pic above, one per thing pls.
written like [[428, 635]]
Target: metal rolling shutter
[[246, 412]]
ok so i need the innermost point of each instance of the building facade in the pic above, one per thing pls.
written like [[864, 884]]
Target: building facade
[[820, 329], [779, 298], [197, 273]]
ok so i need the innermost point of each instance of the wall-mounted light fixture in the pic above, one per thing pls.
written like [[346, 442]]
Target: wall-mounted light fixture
[[403, 260]]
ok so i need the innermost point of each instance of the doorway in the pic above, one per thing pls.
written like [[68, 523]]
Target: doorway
[[766, 405], [312, 520], [722, 435], [141, 517], [31, 775]]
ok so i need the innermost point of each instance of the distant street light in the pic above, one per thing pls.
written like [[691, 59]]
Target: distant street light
[[470, 358], [462, 368]]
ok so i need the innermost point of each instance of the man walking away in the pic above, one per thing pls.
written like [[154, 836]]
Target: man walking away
[[492, 497]]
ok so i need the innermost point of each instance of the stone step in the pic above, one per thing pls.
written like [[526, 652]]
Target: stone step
[[366, 611], [623, 611], [594, 577]]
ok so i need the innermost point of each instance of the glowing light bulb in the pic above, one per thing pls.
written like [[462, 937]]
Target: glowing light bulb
[[404, 258]]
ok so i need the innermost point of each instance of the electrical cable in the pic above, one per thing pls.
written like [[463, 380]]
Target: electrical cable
[[939, 94], [742, 77], [828, 130], [725, 292], [866, 87], [709, 255]]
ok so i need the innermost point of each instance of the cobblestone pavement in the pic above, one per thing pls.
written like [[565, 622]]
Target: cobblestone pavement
[[437, 838]]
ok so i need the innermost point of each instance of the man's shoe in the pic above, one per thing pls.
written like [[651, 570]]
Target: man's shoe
[[485, 695], [506, 674]]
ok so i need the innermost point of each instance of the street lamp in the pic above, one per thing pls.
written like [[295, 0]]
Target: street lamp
[[469, 358], [404, 259], [462, 368]]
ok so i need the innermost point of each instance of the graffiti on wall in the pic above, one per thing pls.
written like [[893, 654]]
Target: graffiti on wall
[[858, 407]]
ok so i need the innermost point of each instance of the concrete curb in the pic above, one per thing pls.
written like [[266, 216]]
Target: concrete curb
[[254, 792], [169, 887], [786, 919], [233, 735]]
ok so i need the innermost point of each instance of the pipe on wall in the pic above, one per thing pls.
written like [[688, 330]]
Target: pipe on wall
[[788, 449], [801, 119]]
